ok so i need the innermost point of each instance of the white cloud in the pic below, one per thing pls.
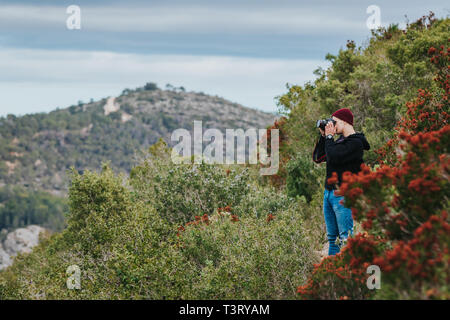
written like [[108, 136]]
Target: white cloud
[[194, 19], [33, 80]]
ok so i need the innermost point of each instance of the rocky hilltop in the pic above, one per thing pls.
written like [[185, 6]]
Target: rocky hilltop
[[37, 150]]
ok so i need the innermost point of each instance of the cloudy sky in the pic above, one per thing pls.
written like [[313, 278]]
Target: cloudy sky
[[243, 50]]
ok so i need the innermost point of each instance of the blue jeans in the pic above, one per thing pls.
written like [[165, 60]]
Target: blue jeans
[[338, 220]]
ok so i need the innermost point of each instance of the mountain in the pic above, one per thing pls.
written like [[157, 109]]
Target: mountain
[[37, 149]]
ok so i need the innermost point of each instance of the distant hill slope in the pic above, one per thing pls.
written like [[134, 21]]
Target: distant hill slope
[[36, 150]]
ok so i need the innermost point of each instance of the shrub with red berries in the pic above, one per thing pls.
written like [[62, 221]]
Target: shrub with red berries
[[402, 204]]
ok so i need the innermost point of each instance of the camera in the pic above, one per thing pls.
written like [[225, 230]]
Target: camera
[[323, 122]]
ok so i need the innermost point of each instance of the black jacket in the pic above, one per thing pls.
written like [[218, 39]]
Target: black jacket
[[344, 154]]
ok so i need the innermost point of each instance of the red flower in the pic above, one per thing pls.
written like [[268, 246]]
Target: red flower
[[333, 179]]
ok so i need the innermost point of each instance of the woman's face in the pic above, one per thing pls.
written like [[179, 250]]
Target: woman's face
[[339, 125]]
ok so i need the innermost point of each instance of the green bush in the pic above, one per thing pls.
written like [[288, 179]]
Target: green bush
[[179, 192], [20, 207], [126, 249], [260, 201], [304, 179], [251, 258], [150, 86], [122, 247], [374, 81]]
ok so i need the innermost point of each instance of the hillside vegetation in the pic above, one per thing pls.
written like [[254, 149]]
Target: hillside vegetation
[[202, 231], [20, 207], [37, 150]]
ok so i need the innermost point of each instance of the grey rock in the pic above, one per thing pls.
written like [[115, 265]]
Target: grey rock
[[21, 240], [5, 259]]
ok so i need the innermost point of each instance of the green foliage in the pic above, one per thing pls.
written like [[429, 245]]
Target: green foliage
[[20, 207], [98, 205], [402, 206], [303, 177], [122, 233], [126, 249], [150, 86], [127, 108], [121, 246], [179, 192], [374, 81], [248, 259], [260, 201]]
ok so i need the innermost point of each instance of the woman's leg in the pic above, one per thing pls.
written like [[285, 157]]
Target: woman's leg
[[331, 223]]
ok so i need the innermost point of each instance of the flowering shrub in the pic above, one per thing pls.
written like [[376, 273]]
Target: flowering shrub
[[419, 268], [343, 275], [428, 112], [402, 206]]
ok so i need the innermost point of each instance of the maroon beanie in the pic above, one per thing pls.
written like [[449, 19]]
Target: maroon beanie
[[344, 114]]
